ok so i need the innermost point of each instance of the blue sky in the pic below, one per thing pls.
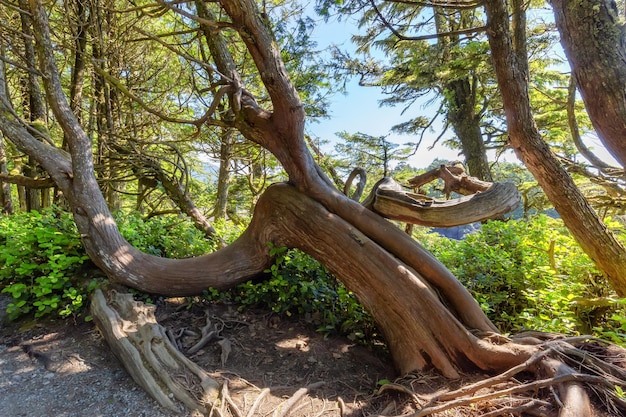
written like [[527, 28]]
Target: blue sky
[[359, 110]]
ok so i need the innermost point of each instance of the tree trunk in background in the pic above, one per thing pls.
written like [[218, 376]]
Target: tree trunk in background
[[460, 96], [574, 131], [34, 103], [593, 38], [579, 217], [223, 176], [466, 124], [81, 23], [6, 201], [106, 110]]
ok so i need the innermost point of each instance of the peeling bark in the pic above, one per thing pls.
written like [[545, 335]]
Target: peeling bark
[[140, 343], [592, 35]]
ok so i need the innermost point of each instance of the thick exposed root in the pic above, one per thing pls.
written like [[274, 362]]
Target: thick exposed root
[[155, 363], [146, 352], [567, 374]]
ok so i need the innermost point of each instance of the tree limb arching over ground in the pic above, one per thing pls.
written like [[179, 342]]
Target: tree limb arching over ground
[[427, 317]]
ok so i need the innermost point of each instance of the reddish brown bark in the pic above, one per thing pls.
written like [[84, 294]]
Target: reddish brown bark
[[577, 214], [428, 318], [592, 35]]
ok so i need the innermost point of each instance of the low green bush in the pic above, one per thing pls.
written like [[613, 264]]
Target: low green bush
[[531, 275], [164, 236], [41, 257], [525, 274], [44, 267]]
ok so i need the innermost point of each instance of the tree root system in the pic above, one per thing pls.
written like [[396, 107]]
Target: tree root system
[[566, 377]]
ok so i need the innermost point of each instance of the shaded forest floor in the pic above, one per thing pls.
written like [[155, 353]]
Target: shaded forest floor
[[64, 368]]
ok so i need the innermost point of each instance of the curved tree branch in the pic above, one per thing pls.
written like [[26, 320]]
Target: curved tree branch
[[391, 201], [573, 128], [400, 36]]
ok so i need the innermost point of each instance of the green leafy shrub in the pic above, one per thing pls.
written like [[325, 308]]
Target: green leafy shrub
[[164, 236], [41, 256], [531, 274], [298, 284]]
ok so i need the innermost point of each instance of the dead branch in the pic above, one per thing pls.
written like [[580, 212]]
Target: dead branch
[[360, 172], [454, 178], [28, 182], [257, 402], [505, 376], [531, 386], [390, 200], [519, 410]]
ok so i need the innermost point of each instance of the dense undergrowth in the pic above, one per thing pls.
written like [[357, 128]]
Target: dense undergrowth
[[526, 274]]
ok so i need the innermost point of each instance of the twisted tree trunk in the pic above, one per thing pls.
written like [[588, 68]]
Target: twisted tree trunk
[[427, 317]]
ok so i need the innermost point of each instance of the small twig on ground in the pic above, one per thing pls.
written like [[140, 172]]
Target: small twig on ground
[[342, 407], [289, 404], [208, 335], [519, 409], [389, 408], [401, 388], [257, 402]]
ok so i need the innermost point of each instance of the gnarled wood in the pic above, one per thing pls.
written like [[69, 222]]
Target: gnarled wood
[[142, 346], [390, 200], [454, 178], [427, 317]]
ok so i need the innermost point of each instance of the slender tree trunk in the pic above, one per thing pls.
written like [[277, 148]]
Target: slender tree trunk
[[574, 131], [593, 37], [223, 177], [106, 104], [466, 124], [78, 69], [33, 102], [579, 217], [6, 201]]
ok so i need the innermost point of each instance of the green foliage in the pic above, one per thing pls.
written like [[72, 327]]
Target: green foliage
[[164, 236], [298, 284], [525, 274], [375, 154], [530, 274], [41, 256]]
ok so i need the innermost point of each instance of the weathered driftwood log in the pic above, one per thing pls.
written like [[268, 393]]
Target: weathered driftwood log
[[390, 200], [140, 343]]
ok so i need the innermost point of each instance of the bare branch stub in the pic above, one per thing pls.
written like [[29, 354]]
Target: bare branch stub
[[454, 178]]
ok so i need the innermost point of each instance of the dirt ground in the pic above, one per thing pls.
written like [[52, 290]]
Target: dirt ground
[[64, 367]]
